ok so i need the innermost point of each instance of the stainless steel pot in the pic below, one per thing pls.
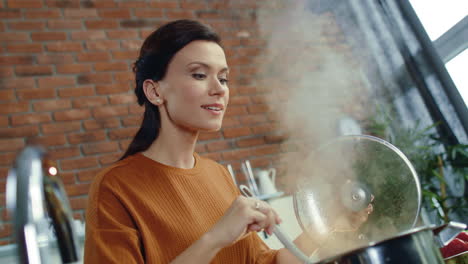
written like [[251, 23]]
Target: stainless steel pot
[[417, 246]]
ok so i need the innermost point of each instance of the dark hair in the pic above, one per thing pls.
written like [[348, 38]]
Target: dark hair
[[156, 53]]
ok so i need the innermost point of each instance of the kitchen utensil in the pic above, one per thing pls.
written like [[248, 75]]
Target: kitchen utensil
[[233, 175], [266, 180], [36, 199], [340, 179], [416, 246], [247, 170]]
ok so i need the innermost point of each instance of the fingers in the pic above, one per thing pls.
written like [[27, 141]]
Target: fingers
[[268, 219]]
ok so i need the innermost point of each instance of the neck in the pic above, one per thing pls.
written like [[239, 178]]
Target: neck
[[174, 147]]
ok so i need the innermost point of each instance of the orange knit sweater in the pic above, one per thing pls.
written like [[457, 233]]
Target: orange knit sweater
[[142, 211]]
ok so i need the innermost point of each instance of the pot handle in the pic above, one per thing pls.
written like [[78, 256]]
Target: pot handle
[[445, 233]]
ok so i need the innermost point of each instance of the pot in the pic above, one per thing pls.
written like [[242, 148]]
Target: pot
[[417, 246]]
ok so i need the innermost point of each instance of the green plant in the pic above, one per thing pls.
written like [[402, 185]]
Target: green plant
[[434, 161]]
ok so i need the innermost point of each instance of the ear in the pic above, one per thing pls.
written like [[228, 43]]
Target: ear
[[151, 89]]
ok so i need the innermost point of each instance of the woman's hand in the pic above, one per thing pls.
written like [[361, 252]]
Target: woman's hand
[[244, 215]]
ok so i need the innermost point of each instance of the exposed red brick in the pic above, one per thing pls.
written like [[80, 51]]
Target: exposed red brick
[[253, 119], [33, 70], [101, 123], [131, 44], [35, 93], [10, 13], [63, 153], [28, 119], [12, 60], [136, 109], [179, 14], [218, 145], [236, 132], [264, 128], [108, 111], [124, 76], [238, 154], [94, 78], [249, 142], [125, 55], [88, 35], [47, 14], [209, 136], [236, 110], [22, 131], [99, 3], [56, 81], [48, 36], [122, 34], [6, 72], [54, 58], [148, 13], [88, 102], [24, 3], [132, 120], [113, 88], [77, 189], [12, 144], [230, 121], [100, 147], [4, 122], [134, 23], [64, 24], [26, 25], [87, 175], [51, 105], [77, 203], [114, 13], [123, 99], [111, 66], [64, 47], [7, 159], [133, 4], [165, 4], [61, 127], [73, 114], [77, 91], [73, 68], [122, 133], [51, 140], [192, 5], [7, 95], [102, 45], [266, 150], [93, 56], [101, 24], [24, 48], [83, 137], [79, 13]]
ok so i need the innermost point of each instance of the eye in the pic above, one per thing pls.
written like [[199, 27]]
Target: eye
[[199, 76], [223, 80]]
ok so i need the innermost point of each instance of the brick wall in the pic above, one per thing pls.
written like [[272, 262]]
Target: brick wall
[[66, 83]]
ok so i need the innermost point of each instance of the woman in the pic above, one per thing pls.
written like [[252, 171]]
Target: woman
[[163, 203]]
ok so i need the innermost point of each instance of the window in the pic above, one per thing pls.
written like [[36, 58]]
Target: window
[[438, 17]]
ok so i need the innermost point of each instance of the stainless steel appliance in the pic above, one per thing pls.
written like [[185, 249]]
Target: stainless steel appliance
[[38, 202]]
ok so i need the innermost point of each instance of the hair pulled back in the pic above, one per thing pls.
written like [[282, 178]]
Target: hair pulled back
[[156, 53]]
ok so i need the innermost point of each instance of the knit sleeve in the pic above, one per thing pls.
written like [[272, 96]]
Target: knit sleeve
[[111, 236]]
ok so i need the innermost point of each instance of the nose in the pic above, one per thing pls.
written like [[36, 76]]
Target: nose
[[217, 88]]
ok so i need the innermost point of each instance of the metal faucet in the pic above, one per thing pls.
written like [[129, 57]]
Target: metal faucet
[[37, 200]]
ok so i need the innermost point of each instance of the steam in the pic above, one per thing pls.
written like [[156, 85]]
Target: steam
[[313, 80]]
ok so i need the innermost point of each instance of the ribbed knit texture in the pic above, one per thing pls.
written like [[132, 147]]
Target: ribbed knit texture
[[142, 211]]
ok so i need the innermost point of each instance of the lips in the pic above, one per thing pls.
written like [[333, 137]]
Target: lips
[[213, 107]]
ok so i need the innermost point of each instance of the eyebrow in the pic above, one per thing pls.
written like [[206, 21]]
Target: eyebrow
[[225, 69]]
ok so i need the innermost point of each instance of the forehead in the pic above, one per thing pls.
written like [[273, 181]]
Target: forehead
[[207, 52]]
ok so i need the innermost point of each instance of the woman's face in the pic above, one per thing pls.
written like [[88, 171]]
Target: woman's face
[[194, 89]]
